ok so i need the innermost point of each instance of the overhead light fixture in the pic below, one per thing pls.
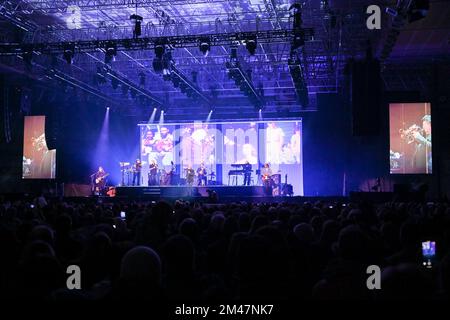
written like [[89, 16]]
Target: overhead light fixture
[[205, 46], [418, 9], [110, 52], [137, 31], [159, 50], [69, 52], [251, 45]]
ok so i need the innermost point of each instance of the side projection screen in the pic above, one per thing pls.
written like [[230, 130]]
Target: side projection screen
[[410, 138], [38, 161]]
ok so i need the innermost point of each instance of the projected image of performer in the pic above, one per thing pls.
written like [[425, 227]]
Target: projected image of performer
[[295, 144], [43, 160], [163, 148], [152, 174], [99, 181], [149, 143], [247, 167], [249, 154], [274, 143], [137, 172], [201, 174], [422, 139], [416, 147]]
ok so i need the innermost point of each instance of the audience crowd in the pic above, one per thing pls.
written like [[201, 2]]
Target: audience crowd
[[200, 253]]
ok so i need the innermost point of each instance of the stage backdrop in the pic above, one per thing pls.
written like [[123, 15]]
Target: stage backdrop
[[220, 145], [38, 161]]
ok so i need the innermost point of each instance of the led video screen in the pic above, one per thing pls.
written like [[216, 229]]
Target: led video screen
[[223, 149], [38, 161], [410, 138]]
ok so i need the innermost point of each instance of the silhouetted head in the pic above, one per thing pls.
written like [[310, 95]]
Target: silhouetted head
[[141, 264]]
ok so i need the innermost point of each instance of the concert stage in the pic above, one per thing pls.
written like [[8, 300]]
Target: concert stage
[[185, 192]]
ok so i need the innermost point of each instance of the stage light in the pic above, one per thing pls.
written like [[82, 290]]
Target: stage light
[[205, 46], [391, 12], [110, 52], [159, 50], [418, 9], [69, 52], [137, 31], [251, 45], [297, 13]]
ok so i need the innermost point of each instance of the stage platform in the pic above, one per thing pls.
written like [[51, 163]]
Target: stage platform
[[182, 192]]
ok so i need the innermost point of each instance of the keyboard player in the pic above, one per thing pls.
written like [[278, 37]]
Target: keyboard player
[[247, 168]]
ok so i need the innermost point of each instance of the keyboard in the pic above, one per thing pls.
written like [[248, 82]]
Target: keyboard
[[237, 172]]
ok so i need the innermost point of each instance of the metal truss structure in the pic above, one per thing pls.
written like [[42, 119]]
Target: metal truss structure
[[332, 35]]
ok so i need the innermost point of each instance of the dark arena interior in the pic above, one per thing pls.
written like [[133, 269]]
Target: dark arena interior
[[241, 154]]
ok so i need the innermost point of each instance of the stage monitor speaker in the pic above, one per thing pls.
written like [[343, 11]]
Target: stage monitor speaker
[[365, 98]]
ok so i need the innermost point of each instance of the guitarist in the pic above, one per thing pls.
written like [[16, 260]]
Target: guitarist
[[153, 171], [100, 180], [137, 167], [267, 179], [201, 174]]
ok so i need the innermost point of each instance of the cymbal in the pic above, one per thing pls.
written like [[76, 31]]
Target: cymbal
[[123, 164]]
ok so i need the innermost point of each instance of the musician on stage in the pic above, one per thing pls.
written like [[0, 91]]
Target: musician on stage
[[190, 174], [137, 172], [201, 173], [247, 167], [267, 178], [266, 174], [99, 181], [172, 173], [152, 174]]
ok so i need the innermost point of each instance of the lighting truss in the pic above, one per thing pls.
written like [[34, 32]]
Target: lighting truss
[[54, 6], [132, 87], [244, 83], [53, 73], [219, 39], [190, 89]]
